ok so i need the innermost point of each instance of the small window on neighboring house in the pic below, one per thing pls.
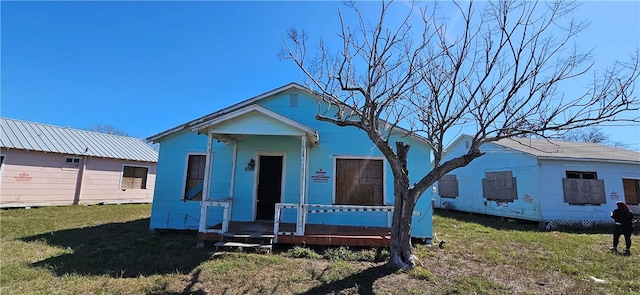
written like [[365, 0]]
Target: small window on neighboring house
[[134, 177], [499, 186], [359, 182], [583, 188], [195, 177], [631, 191], [448, 186], [71, 162]]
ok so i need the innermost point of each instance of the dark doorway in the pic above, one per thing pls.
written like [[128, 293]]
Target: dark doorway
[[269, 186]]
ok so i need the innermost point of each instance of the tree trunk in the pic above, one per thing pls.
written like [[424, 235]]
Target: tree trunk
[[401, 249], [404, 203]]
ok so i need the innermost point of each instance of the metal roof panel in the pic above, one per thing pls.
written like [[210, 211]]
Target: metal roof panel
[[18, 134]]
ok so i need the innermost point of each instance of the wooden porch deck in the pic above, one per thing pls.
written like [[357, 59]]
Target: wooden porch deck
[[315, 234]]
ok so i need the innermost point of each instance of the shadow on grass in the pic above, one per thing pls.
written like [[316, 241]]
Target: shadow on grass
[[504, 223], [363, 280], [496, 222], [124, 250]]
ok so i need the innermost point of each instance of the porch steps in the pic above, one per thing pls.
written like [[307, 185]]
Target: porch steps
[[254, 241]]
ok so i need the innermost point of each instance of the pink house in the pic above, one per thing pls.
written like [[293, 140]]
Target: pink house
[[44, 165]]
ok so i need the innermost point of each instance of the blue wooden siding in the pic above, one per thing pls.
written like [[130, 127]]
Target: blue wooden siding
[[256, 123], [170, 212], [539, 185], [552, 194], [497, 158]]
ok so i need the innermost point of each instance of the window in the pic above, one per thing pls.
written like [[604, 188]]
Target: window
[[448, 186], [194, 178], [359, 182], [583, 188], [72, 162], [631, 191], [134, 177], [582, 175], [499, 186]]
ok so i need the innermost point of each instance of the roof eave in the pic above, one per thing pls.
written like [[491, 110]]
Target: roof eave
[[616, 161], [156, 138]]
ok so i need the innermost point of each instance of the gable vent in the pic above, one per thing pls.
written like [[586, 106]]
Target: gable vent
[[293, 100]]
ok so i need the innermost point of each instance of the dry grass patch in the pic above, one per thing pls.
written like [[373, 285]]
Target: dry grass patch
[[109, 250]]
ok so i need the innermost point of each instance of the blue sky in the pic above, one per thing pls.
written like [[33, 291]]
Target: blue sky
[[145, 67]]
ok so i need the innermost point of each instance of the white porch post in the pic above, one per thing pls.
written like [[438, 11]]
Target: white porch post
[[303, 185], [205, 184]]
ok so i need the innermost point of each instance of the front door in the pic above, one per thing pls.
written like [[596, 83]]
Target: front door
[[269, 186]]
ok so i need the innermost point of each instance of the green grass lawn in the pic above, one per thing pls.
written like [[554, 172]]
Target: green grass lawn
[[109, 250]]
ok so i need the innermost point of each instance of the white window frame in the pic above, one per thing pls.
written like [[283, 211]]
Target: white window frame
[[186, 170], [134, 165], [385, 200], [73, 163]]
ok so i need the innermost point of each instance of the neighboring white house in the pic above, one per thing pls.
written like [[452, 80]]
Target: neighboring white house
[[540, 180], [43, 165]]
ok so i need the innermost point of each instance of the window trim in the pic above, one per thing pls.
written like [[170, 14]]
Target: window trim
[[75, 162], [385, 200], [624, 195], [186, 171], [3, 160], [134, 165]]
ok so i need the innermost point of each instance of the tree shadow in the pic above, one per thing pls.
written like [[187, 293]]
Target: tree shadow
[[188, 290], [504, 223], [363, 280], [121, 250], [496, 222]]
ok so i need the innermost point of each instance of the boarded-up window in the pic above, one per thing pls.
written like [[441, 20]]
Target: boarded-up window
[[631, 191], [583, 191], [448, 186], [134, 177], [195, 177], [359, 182], [499, 186]]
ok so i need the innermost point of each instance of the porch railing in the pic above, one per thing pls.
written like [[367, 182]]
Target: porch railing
[[314, 209], [225, 203]]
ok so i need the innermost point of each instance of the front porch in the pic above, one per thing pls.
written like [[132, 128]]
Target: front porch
[[314, 234]]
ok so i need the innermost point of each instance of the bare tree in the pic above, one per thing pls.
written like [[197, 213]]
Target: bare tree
[[502, 74], [591, 135], [108, 129]]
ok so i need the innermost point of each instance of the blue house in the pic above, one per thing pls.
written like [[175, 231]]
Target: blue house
[[267, 161], [551, 182]]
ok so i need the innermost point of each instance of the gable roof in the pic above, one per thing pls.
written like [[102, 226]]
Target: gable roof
[[193, 125], [229, 109], [256, 110], [23, 135], [567, 150]]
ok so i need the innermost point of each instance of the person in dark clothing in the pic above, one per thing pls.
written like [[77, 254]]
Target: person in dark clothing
[[623, 218]]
